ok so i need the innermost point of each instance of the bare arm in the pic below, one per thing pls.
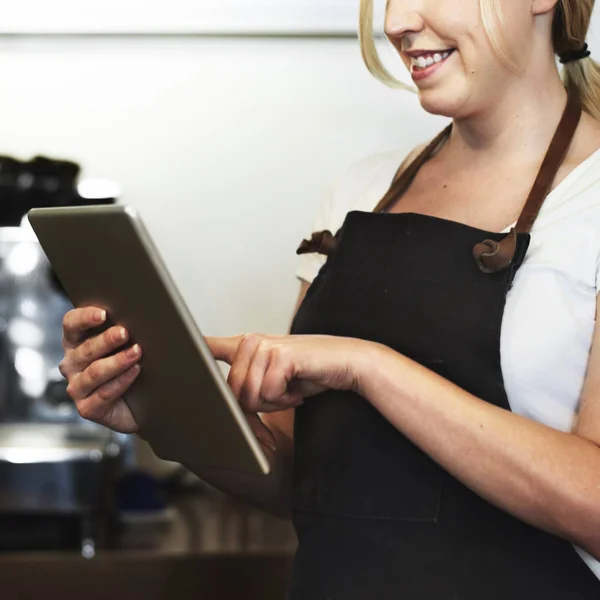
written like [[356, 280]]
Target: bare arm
[[271, 493], [545, 477]]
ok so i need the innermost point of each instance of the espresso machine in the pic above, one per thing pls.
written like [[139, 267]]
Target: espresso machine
[[57, 472]]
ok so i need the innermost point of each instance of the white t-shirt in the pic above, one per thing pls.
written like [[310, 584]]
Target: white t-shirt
[[550, 311]]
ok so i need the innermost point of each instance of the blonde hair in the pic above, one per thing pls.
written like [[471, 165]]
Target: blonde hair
[[569, 31]]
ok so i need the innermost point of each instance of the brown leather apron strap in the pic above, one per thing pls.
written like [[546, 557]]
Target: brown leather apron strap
[[489, 255], [492, 256], [557, 152]]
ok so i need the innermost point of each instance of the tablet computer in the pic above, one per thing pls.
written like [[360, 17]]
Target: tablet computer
[[104, 256]]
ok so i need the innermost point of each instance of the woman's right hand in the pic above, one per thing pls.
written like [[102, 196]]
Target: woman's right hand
[[97, 378]]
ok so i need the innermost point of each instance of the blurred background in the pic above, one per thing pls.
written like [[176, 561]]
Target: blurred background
[[223, 122]]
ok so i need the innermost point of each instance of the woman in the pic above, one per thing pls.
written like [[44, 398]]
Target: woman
[[443, 376]]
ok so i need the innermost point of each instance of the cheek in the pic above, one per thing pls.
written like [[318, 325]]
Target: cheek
[[457, 17], [511, 30], [477, 53], [460, 25]]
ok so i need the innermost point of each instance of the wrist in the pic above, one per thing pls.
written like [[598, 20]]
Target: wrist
[[370, 357]]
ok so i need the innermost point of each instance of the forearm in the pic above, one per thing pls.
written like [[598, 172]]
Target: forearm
[[545, 477], [270, 493]]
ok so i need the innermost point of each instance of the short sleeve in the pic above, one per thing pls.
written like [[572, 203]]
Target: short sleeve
[[596, 249], [598, 273], [309, 265], [359, 187]]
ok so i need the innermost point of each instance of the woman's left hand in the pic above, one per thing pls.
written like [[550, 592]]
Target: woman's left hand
[[270, 374]]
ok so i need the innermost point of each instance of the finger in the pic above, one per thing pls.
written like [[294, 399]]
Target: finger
[[279, 374], [249, 397], [241, 362], [279, 389], [263, 434], [106, 404], [102, 371], [95, 348], [79, 320], [224, 348], [283, 402]]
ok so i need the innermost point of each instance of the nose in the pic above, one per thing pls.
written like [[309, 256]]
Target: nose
[[402, 17]]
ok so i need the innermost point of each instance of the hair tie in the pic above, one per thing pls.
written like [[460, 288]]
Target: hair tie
[[573, 55]]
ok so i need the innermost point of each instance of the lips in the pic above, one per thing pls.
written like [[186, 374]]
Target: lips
[[423, 59], [426, 64]]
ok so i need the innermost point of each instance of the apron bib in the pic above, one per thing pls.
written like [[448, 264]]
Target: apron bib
[[374, 515]]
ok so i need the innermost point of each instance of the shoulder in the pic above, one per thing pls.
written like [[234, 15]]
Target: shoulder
[[577, 196], [588, 134], [583, 160], [364, 182], [358, 187], [580, 191], [374, 168], [566, 236]]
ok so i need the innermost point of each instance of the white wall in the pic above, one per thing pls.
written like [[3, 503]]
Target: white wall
[[224, 145], [180, 16]]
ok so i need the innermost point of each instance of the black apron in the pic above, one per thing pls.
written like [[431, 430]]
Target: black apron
[[374, 515]]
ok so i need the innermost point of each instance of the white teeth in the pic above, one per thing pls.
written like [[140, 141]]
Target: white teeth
[[426, 60]]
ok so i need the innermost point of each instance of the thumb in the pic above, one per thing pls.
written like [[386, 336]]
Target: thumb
[[263, 434]]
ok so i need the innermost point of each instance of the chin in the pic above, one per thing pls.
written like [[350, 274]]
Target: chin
[[436, 102]]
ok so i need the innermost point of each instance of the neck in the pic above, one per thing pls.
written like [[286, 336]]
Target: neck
[[520, 125]]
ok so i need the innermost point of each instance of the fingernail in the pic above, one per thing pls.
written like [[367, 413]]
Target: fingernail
[[134, 351], [122, 334], [100, 316], [270, 445]]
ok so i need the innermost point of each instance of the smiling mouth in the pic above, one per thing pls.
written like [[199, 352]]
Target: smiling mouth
[[422, 62]]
